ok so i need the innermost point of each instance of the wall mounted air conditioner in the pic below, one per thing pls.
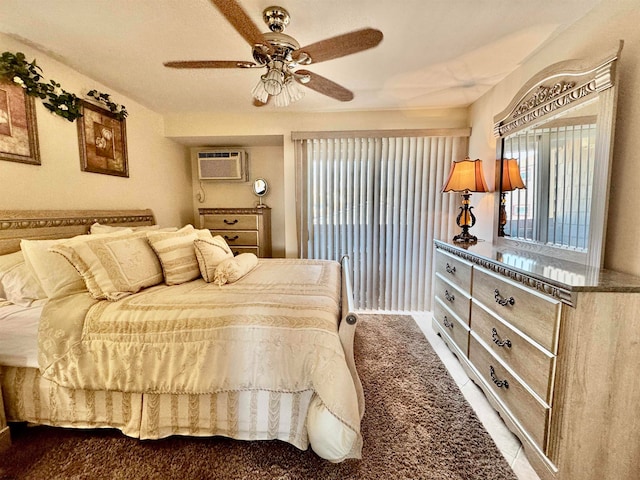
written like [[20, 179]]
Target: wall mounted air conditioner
[[230, 165]]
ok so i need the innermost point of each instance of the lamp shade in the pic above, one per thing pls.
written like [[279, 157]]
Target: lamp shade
[[511, 178], [466, 175]]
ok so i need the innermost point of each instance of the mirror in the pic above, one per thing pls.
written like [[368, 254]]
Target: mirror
[[559, 130], [260, 188]]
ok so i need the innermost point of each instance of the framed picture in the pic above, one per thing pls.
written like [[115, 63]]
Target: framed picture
[[103, 141], [18, 128]]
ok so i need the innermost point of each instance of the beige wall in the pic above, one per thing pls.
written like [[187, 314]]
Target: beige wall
[[159, 168], [591, 37], [209, 126]]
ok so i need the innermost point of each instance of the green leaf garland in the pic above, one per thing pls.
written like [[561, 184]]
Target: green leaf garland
[[16, 69]]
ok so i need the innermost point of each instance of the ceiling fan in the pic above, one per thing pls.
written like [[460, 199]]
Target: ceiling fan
[[282, 55]]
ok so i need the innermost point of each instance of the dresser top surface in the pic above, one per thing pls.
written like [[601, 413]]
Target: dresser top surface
[[564, 274]]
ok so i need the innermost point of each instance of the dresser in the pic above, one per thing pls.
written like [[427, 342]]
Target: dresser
[[246, 230], [555, 346]]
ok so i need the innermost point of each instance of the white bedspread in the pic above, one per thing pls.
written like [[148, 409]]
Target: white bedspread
[[19, 335]]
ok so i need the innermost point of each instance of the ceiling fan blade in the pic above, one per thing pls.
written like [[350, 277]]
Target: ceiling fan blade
[[326, 86], [243, 24], [341, 45], [211, 64]]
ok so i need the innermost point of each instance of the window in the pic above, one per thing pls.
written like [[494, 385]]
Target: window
[[379, 200]]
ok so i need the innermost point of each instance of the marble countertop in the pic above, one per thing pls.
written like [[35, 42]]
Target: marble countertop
[[567, 275]]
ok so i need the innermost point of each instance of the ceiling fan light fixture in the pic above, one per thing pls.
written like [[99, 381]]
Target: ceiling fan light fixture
[[291, 92], [273, 81], [259, 92]]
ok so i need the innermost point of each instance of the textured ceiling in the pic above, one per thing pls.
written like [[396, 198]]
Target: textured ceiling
[[435, 53]]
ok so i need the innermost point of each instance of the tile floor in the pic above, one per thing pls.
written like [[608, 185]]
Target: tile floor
[[508, 443]]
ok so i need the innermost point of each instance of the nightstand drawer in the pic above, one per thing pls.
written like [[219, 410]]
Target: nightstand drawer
[[456, 330], [536, 315], [532, 414], [533, 364], [454, 298], [454, 270], [230, 222], [234, 237]]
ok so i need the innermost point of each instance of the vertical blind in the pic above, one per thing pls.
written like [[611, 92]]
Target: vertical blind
[[380, 201]]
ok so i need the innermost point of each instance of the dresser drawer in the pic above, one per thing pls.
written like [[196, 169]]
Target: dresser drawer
[[533, 364], [457, 331], [234, 237], [230, 222], [534, 314], [455, 270], [238, 250], [532, 415], [454, 298]]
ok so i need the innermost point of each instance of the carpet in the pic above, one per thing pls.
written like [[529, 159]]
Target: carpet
[[417, 425]]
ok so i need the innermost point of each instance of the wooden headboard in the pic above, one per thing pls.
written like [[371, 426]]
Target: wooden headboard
[[16, 225]]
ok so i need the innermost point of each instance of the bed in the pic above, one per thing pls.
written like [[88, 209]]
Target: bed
[[269, 356]]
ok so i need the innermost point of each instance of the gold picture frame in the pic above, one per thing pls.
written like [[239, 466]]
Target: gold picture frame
[[18, 127], [102, 140]]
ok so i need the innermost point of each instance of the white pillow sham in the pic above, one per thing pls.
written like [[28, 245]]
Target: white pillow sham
[[17, 284], [56, 276]]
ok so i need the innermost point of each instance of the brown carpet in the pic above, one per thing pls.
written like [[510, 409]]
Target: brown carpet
[[417, 425]]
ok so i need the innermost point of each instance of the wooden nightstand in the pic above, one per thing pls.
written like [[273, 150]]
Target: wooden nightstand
[[5, 437], [244, 229]]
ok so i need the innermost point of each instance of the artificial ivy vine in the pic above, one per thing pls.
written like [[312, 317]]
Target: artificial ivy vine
[[16, 68]]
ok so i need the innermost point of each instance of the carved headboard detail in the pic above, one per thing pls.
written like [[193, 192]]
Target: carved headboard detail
[[16, 225]]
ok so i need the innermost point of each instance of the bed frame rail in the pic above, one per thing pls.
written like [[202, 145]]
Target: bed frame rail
[[347, 328]]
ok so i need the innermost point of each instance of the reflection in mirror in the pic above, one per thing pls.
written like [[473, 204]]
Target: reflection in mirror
[[260, 188], [556, 160], [559, 130]]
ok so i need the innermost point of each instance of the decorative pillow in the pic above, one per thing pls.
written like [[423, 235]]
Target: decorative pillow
[[177, 253], [233, 269], [113, 265], [56, 276], [209, 254], [98, 228]]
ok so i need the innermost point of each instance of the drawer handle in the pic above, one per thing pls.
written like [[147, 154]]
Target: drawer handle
[[231, 239], [450, 269], [497, 341], [230, 223], [501, 300], [447, 323], [448, 296], [499, 383]]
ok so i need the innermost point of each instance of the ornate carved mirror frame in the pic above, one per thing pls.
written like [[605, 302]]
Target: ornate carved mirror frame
[[554, 90]]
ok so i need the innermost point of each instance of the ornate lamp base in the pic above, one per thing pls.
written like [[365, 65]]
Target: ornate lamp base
[[465, 220]]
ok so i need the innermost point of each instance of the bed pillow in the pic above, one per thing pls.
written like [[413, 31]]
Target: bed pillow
[[209, 254], [17, 284], [21, 287], [177, 253], [98, 228], [113, 265], [7, 262], [56, 276], [233, 269]]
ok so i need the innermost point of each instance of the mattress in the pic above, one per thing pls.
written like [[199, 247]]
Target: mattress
[[19, 334]]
